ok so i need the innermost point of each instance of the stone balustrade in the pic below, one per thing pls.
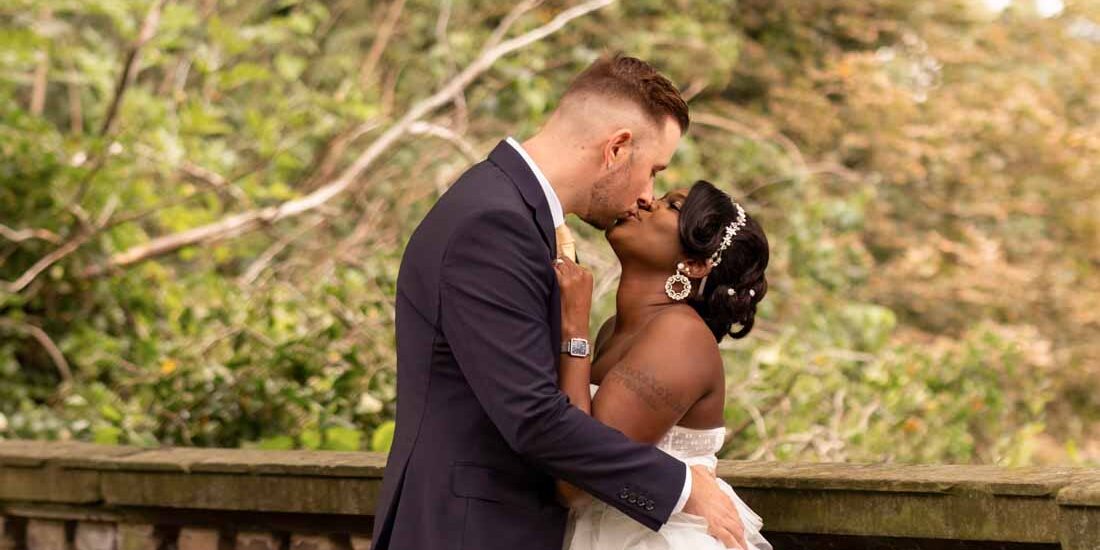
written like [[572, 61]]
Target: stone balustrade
[[78, 496]]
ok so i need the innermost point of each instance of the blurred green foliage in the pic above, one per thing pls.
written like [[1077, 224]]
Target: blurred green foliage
[[925, 171]]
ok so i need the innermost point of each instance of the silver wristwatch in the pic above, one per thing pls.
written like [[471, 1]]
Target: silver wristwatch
[[577, 347]]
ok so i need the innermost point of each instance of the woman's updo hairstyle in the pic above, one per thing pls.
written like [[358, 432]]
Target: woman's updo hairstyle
[[705, 214]]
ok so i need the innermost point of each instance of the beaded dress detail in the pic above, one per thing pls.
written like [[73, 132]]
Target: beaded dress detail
[[694, 446]]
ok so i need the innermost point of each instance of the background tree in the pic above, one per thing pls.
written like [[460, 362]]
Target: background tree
[[203, 205]]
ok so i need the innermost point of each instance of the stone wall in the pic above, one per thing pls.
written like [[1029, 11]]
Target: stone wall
[[77, 496]]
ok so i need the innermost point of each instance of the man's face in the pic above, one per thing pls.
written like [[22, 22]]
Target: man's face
[[618, 192]]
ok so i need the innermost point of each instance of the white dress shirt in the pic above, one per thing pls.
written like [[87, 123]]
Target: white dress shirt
[[556, 213], [558, 216]]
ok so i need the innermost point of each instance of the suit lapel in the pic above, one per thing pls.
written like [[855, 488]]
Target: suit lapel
[[509, 160]]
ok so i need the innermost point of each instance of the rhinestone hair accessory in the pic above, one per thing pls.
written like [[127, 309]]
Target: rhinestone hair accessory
[[731, 231]]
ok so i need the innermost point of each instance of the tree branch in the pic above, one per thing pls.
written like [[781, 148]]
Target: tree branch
[[213, 180], [461, 110], [129, 73], [47, 344], [38, 91], [76, 110], [509, 20], [736, 127], [378, 47], [20, 235], [365, 227], [757, 415], [260, 264], [132, 65], [62, 251], [329, 157], [446, 134], [249, 220], [41, 71], [695, 88]]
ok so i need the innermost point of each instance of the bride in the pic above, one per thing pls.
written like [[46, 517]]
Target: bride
[[656, 374]]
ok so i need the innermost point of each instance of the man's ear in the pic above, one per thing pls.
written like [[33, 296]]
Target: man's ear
[[697, 269], [617, 149]]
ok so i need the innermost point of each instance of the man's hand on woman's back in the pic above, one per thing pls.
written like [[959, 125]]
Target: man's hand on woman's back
[[710, 503]]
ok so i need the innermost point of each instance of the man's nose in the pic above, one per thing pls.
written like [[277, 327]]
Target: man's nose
[[645, 203]]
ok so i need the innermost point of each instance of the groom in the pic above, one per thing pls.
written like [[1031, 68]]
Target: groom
[[482, 428]]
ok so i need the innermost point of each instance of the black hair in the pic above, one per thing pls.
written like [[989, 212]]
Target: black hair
[[705, 214]]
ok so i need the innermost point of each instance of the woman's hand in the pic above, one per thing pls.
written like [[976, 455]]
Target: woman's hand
[[574, 373], [576, 297]]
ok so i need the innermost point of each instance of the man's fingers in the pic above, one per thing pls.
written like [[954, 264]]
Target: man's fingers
[[728, 531], [737, 532], [725, 537], [732, 520], [728, 528]]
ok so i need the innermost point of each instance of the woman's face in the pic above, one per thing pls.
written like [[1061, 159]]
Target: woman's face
[[652, 237]]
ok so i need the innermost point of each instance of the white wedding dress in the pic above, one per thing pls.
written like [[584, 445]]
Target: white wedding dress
[[598, 526]]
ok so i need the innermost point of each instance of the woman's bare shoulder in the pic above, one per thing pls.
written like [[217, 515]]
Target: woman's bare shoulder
[[678, 343], [684, 327]]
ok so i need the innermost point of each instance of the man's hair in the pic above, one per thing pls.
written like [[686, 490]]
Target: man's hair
[[623, 77]]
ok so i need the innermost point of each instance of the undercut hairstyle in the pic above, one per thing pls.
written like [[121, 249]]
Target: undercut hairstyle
[[706, 213], [629, 78]]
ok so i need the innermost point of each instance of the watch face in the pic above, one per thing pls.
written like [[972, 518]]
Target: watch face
[[578, 347]]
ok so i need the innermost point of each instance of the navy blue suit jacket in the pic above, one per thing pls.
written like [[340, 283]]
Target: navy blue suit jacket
[[482, 428]]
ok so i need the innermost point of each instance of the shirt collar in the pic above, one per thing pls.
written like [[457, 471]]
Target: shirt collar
[[556, 213]]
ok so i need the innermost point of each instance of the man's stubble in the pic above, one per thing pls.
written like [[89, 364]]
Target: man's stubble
[[602, 213]]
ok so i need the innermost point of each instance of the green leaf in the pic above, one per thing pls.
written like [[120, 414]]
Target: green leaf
[[310, 439], [110, 413], [288, 66], [382, 438], [276, 443], [106, 435], [342, 439]]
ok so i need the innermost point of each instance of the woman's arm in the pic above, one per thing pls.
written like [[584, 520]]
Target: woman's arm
[[574, 373], [673, 365]]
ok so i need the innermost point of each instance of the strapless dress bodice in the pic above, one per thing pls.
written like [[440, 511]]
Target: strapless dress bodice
[[599, 526]]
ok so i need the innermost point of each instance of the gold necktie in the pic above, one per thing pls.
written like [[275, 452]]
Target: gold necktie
[[566, 245]]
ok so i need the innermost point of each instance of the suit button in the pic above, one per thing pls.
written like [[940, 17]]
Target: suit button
[[632, 499], [624, 494], [649, 507]]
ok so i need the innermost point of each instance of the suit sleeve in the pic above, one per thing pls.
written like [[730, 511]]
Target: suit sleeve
[[496, 282]]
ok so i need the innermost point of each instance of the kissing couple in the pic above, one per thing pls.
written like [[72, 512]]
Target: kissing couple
[[513, 432]]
